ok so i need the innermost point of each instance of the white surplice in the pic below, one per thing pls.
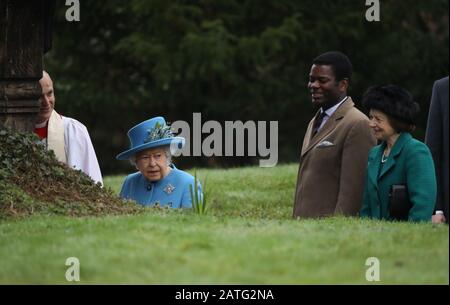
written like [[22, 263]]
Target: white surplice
[[70, 141]]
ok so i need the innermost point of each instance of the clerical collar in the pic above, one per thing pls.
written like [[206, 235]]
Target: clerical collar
[[41, 125]]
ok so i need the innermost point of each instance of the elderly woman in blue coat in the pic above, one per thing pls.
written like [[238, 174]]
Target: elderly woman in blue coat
[[158, 182], [400, 162]]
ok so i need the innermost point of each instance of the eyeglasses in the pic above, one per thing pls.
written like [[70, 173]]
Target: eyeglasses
[[148, 158]]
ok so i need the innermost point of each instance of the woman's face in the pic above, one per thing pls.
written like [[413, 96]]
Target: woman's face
[[152, 163], [379, 123]]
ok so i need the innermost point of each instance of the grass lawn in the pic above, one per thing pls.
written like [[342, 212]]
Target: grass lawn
[[248, 237]]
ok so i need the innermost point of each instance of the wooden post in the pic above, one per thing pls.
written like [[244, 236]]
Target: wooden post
[[25, 35]]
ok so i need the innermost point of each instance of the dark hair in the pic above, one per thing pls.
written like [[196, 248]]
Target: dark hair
[[339, 62], [396, 103]]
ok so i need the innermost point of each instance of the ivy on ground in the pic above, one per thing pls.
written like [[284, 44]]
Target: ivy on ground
[[33, 181]]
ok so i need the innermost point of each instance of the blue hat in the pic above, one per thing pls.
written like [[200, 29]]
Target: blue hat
[[149, 134]]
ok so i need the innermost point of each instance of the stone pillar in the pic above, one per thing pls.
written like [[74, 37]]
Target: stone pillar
[[25, 35]]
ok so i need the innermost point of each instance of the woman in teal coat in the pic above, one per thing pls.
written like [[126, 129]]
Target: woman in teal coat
[[399, 162]]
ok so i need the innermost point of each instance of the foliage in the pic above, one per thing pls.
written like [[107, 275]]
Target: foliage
[[198, 199], [125, 62], [33, 181]]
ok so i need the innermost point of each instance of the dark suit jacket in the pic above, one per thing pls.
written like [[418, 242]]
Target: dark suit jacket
[[437, 140], [333, 165]]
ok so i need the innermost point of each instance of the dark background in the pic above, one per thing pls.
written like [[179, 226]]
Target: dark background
[[127, 61]]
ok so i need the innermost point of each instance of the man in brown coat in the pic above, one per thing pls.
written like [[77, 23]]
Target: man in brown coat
[[336, 145]]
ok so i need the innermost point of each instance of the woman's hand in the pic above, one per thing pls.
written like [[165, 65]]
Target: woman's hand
[[438, 218]]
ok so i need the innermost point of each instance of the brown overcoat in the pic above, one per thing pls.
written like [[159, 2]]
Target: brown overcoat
[[333, 163]]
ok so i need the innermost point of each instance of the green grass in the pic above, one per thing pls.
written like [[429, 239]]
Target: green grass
[[248, 237], [248, 192]]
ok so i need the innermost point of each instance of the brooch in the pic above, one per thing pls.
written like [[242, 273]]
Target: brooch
[[169, 189]]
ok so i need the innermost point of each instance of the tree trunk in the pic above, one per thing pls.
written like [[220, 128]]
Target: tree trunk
[[25, 35]]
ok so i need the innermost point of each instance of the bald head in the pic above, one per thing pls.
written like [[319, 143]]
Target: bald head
[[47, 98], [45, 75]]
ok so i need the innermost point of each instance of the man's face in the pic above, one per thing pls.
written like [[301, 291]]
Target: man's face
[[152, 163], [324, 89], [47, 99]]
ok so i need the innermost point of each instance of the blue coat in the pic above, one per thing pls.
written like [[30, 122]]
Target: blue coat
[[173, 190], [410, 162]]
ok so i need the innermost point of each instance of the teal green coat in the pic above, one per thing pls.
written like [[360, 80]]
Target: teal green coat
[[410, 162]]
